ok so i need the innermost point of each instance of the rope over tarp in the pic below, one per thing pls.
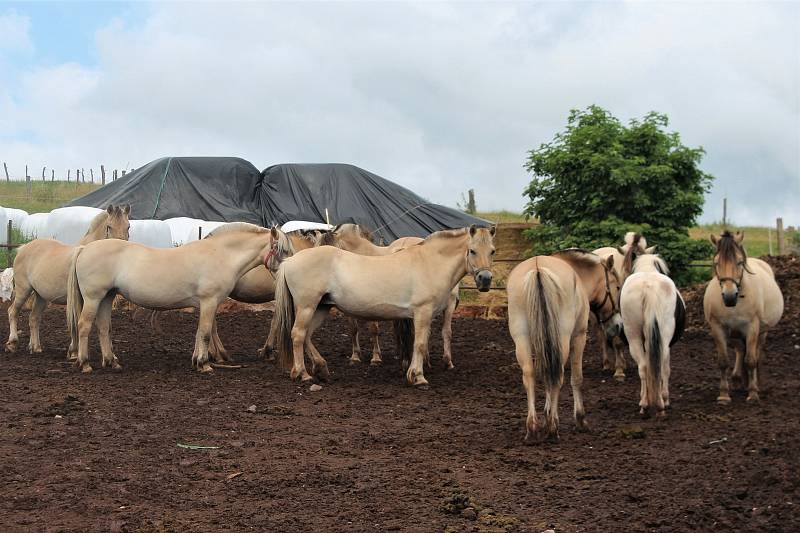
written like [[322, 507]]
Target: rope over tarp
[[160, 189]]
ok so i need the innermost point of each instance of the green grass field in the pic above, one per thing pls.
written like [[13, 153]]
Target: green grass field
[[44, 196]]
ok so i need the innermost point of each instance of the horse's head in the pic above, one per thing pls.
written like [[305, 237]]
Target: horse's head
[[280, 248], [608, 313], [480, 255], [117, 224], [353, 238], [730, 263], [635, 245]]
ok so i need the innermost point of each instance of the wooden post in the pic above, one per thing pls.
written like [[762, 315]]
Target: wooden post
[[27, 182], [52, 174], [781, 243], [68, 171], [5, 167], [103, 174], [471, 202], [123, 172], [8, 242], [115, 175], [83, 176], [199, 233], [724, 212], [91, 173], [43, 169]]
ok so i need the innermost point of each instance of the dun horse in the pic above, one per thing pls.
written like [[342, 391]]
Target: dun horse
[[549, 299], [741, 302], [41, 268], [410, 287], [355, 238], [636, 241], [200, 274], [653, 315]]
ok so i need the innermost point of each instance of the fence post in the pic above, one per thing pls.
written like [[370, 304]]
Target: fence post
[[123, 172], [5, 167], [471, 202], [27, 182], [83, 176], [52, 174], [115, 175], [724, 212], [781, 243], [8, 242], [103, 173], [43, 169], [91, 173]]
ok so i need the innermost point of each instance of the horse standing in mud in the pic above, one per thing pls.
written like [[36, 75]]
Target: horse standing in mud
[[409, 287], [639, 244], [200, 274], [41, 268], [742, 302], [549, 300], [355, 238], [653, 315]]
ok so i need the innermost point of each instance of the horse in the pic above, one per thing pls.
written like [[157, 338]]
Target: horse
[[408, 287], [357, 239], [41, 268], [741, 301], [549, 300], [199, 274], [634, 240], [653, 317]]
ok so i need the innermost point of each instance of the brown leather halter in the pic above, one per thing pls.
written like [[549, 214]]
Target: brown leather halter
[[596, 308]]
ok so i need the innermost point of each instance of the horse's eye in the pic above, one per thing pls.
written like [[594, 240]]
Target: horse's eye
[[493, 252], [472, 252]]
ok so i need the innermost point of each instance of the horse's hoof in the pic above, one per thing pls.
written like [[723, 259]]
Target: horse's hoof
[[86, 368], [607, 366], [661, 414], [724, 400], [116, 366], [205, 368], [11, 347], [619, 378], [420, 383], [353, 361], [322, 373], [448, 365], [376, 362], [753, 398], [644, 412]]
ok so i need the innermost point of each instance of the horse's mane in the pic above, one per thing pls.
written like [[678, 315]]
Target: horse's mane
[[285, 247], [636, 245], [99, 219], [581, 255], [635, 239], [659, 263], [358, 229], [728, 248], [236, 226]]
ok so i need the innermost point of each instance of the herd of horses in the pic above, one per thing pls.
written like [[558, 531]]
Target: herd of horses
[[625, 291]]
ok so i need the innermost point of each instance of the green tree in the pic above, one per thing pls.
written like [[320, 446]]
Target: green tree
[[599, 178]]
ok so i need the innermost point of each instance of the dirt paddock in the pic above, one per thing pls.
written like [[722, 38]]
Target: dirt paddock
[[101, 452]]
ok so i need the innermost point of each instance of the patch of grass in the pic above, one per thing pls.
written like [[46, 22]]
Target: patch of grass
[[502, 217], [756, 239], [44, 195], [6, 255]]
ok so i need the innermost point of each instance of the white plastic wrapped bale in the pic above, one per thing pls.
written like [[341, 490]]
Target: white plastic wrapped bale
[[35, 226], [3, 226], [180, 227], [202, 228], [295, 225], [6, 284], [154, 233], [16, 216], [70, 224]]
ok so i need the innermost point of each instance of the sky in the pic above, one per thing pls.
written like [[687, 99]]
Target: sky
[[439, 97]]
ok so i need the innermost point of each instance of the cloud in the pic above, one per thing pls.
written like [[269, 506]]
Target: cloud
[[440, 97], [14, 33]]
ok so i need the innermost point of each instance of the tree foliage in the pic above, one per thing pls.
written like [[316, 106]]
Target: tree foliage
[[599, 178]]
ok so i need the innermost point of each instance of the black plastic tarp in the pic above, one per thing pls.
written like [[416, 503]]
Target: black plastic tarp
[[230, 189], [351, 194], [224, 189]]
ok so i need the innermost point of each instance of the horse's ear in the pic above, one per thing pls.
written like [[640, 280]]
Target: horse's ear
[[650, 250], [110, 209], [609, 262], [713, 239], [739, 237], [127, 209], [336, 228], [621, 250], [493, 229], [274, 232], [472, 230]]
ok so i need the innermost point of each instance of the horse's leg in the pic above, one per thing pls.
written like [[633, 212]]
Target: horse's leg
[[737, 375], [722, 361], [447, 333], [104, 332], [375, 333], [267, 351], [638, 355], [320, 365], [85, 322], [665, 372], [751, 360], [603, 338], [22, 291], [355, 358], [208, 311], [422, 330], [576, 380], [216, 348], [525, 361], [553, 391], [302, 320], [619, 353], [35, 321]]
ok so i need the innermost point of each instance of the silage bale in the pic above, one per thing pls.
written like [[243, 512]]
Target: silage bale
[[153, 233], [3, 226], [180, 227], [202, 228], [16, 216], [34, 226], [70, 224]]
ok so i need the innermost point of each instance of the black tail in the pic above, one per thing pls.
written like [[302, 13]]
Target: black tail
[[654, 356], [404, 338]]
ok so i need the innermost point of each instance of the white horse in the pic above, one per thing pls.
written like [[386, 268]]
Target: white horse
[[742, 301], [653, 317]]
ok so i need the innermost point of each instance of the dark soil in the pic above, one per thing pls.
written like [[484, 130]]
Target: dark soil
[[101, 452]]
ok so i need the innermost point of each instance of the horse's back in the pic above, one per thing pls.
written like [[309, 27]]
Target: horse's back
[[609, 251], [772, 297]]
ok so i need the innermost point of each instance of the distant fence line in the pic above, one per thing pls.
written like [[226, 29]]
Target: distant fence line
[[79, 174]]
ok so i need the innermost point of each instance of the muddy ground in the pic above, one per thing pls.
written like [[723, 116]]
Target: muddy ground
[[101, 452]]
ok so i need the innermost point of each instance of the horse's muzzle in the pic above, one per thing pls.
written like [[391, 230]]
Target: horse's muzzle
[[730, 298], [483, 279]]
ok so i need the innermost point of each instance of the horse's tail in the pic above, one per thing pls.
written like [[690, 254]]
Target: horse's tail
[[543, 324], [284, 320], [653, 347], [74, 296], [404, 338]]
